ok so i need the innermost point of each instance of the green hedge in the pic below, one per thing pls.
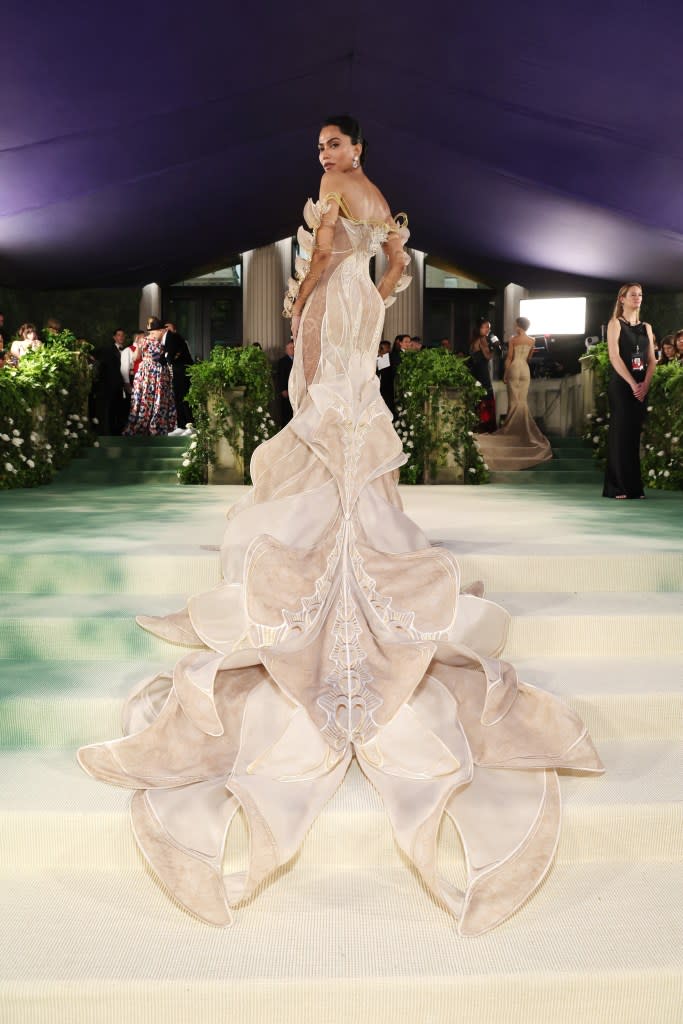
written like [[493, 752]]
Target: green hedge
[[226, 369], [44, 411], [429, 426], [661, 463]]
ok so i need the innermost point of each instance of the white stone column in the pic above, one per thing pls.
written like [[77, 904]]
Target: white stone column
[[264, 280], [150, 303], [512, 297], [405, 315]]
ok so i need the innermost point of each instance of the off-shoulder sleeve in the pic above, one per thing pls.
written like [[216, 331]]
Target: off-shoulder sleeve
[[394, 248], [320, 218]]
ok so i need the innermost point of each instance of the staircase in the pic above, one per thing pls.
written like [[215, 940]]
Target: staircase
[[572, 463], [346, 933], [128, 460]]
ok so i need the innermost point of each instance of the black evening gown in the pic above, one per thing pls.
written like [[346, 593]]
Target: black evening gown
[[627, 414]]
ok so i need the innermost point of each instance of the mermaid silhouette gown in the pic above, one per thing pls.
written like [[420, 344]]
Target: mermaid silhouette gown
[[339, 632], [519, 444]]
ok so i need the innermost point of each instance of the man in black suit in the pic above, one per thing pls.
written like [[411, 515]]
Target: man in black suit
[[178, 358], [114, 396], [283, 370]]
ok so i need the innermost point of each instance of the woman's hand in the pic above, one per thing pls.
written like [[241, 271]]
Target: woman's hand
[[639, 391]]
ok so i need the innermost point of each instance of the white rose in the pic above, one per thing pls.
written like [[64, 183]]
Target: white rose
[[63, 391], [30, 463], [485, 466], [471, 470], [668, 435], [259, 409], [9, 467], [17, 442], [470, 433], [660, 454], [649, 408], [674, 440], [10, 421], [651, 473], [15, 432], [95, 420], [96, 444], [595, 438], [186, 462], [193, 445], [4, 437], [666, 472]]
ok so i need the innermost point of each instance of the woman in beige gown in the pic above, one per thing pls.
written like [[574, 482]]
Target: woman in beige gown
[[519, 444], [338, 631]]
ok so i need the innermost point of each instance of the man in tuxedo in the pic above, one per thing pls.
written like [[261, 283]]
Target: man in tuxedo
[[283, 370], [178, 358], [114, 389]]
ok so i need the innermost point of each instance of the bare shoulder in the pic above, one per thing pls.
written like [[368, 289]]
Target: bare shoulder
[[331, 181], [379, 196]]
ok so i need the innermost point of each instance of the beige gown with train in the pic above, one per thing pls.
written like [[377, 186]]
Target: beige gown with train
[[519, 444], [339, 632]]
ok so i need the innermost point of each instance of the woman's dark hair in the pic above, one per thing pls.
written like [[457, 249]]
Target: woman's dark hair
[[348, 126], [522, 322], [477, 329]]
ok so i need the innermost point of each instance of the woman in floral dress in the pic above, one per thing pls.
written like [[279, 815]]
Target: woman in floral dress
[[152, 406]]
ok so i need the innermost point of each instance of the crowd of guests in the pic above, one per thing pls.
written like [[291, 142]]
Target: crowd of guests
[[138, 387], [26, 340], [141, 387], [671, 349]]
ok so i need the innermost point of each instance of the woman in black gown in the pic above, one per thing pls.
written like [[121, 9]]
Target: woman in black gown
[[480, 357], [632, 355]]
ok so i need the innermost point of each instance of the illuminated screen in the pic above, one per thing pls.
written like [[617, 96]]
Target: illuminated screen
[[554, 316]]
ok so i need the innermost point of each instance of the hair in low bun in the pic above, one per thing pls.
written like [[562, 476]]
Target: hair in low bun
[[349, 126]]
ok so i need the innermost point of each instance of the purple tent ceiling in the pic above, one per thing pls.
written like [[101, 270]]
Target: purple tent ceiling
[[146, 141]]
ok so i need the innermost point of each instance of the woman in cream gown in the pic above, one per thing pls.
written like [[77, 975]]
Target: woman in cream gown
[[519, 444], [339, 632]]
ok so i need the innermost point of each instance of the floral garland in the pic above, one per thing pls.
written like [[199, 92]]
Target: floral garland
[[40, 431], [661, 461], [429, 426], [243, 421]]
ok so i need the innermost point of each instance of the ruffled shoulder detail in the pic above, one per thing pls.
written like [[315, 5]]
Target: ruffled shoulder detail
[[401, 229]]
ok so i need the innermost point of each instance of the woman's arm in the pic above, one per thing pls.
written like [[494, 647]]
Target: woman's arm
[[508, 360], [322, 251], [396, 264], [651, 361]]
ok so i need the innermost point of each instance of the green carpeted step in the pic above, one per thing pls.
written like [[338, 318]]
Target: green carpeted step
[[53, 817], [597, 943], [552, 475], [65, 704], [101, 476], [614, 624], [563, 463], [174, 570]]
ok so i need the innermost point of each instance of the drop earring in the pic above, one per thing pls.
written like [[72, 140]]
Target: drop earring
[[355, 162]]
